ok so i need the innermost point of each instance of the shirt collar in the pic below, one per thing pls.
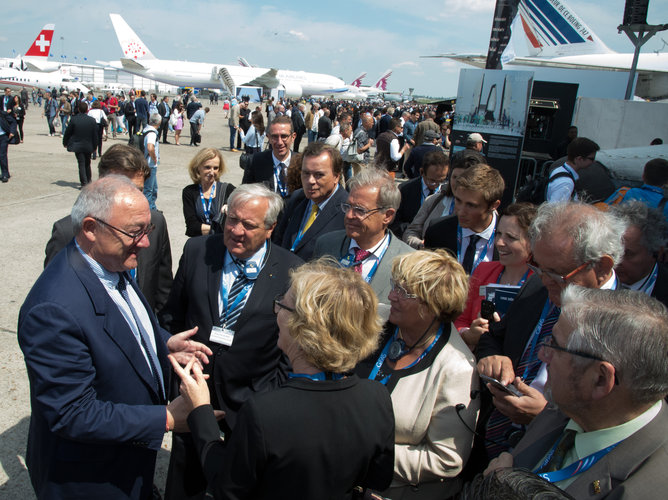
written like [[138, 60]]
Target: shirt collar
[[376, 250], [107, 278], [486, 234], [572, 171], [611, 283], [321, 206], [286, 162], [256, 258]]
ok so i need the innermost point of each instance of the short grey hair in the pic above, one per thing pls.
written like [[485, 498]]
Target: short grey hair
[[650, 221], [155, 119], [389, 195], [344, 127], [594, 233], [249, 192], [97, 198], [626, 328]]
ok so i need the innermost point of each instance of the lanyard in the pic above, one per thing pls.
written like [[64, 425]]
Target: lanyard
[[386, 349], [300, 235], [520, 282], [317, 376], [482, 255], [575, 468], [206, 206], [547, 308], [283, 190], [349, 262]]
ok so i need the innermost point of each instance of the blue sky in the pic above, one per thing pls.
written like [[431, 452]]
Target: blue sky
[[341, 38]]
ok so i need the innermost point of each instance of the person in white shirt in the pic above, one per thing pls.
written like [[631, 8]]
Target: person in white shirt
[[581, 154]]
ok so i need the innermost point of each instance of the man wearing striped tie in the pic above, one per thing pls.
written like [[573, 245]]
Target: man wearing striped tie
[[316, 209], [225, 285], [572, 243]]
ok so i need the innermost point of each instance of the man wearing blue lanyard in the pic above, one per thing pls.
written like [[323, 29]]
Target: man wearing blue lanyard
[[366, 244], [316, 209], [571, 243], [271, 166], [645, 236], [469, 233], [606, 438], [225, 285]]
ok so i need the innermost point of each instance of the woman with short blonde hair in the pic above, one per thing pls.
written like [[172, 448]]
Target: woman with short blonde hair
[[430, 374]]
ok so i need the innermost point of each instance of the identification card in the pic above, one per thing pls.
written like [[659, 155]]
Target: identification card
[[223, 336]]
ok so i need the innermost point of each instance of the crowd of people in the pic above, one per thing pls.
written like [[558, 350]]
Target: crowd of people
[[332, 332]]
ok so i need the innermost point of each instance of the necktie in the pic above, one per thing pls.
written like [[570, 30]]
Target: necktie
[[314, 213], [282, 179], [234, 310], [498, 424], [154, 365], [470, 253], [360, 255], [565, 443]]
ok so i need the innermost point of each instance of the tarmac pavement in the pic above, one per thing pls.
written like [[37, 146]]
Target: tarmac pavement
[[43, 186]]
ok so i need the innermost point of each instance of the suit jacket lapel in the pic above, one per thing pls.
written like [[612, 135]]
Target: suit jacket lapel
[[214, 276]]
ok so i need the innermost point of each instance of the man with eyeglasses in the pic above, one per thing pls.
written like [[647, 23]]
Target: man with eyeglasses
[[271, 166], [572, 243], [433, 174], [97, 358], [225, 286], [367, 244], [153, 272], [605, 436], [561, 186], [416, 158], [315, 209]]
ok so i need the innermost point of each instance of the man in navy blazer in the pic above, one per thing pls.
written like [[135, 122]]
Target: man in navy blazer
[[316, 209], [97, 358]]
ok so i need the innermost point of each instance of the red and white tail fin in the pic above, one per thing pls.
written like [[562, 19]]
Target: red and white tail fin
[[357, 82], [42, 44], [131, 45], [552, 29], [381, 84]]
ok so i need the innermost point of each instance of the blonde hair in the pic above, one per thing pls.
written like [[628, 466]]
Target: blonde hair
[[438, 280], [202, 157], [335, 322]]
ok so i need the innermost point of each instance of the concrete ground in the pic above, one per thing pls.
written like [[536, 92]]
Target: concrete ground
[[42, 189]]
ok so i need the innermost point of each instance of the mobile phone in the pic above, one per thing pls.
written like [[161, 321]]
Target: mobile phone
[[510, 388], [487, 310]]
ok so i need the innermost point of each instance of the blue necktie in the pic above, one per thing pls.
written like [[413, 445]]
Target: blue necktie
[[153, 362], [232, 313]]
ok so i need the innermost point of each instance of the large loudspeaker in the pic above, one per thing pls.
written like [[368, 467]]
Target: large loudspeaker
[[635, 12]]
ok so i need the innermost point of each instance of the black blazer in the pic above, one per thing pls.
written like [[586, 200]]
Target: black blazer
[[260, 169], [154, 264], [81, 135], [660, 291], [509, 336], [253, 363], [330, 219], [411, 200], [442, 233]]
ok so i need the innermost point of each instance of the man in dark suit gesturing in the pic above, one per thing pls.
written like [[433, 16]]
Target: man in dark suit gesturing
[[97, 358], [154, 264], [316, 209], [225, 285]]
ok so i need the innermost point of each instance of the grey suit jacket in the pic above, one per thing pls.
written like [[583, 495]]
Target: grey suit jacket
[[337, 243], [636, 468]]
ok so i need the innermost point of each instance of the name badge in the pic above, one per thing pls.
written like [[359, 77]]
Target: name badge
[[223, 336]]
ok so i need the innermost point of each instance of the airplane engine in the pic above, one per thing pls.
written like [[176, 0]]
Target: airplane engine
[[291, 90]]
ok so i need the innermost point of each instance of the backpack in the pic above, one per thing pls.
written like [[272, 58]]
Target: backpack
[[535, 191], [138, 141]]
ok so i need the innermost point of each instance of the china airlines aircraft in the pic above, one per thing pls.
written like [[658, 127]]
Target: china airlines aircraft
[[138, 60]]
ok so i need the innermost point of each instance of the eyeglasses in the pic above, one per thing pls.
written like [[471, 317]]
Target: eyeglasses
[[434, 182], [359, 212], [552, 344], [278, 305], [401, 291], [134, 236], [554, 276], [283, 137]]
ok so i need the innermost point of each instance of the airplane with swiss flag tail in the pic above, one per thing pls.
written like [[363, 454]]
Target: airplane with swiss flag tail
[[36, 57]]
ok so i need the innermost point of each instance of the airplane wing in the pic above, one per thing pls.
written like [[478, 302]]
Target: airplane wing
[[30, 66], [132, 64], [268, 80], [476, 60]]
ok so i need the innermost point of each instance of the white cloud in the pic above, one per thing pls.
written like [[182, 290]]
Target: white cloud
[[297, 34], [405, 63]]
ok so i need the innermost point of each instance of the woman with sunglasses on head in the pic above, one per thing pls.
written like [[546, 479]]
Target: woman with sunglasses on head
[[325, 431], [430, 374], [512, 244]]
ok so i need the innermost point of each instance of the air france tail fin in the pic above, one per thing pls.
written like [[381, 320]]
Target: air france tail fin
[[131, 45], [42, 44], [552, 29], [381, 84], [357, 82]]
